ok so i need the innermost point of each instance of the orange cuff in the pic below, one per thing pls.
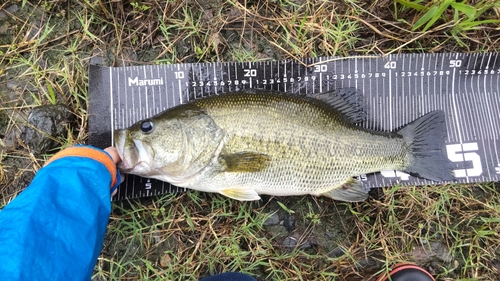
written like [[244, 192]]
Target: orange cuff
[[88, 152]]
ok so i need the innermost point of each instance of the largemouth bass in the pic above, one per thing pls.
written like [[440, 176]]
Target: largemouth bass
[[245, 144]]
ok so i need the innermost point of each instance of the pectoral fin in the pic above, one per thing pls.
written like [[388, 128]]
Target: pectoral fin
[[351, 191], [241, 194], [245, 162]]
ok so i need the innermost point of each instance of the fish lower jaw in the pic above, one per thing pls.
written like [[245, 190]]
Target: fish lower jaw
[[140, 169], [172, 180]]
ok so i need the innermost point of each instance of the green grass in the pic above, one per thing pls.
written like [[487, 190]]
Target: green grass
[[449, 215], [452, 230]]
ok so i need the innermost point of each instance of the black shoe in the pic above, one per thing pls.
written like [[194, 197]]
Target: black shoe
[[406, 272]]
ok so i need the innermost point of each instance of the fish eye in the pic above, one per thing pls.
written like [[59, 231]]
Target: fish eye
[[147, 126]]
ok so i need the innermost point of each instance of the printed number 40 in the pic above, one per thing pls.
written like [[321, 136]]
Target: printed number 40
[[465, 152], [390, 65]]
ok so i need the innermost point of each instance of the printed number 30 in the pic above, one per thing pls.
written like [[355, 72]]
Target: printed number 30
[[465, 152]]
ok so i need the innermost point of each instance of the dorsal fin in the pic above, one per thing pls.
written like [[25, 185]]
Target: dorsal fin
[[348, 101]]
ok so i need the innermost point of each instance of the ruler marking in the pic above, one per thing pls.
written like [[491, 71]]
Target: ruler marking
[[371, 108], [160, 102], [139, 99], [321, 77], [444, 94], [468, 106], [488, 106], [479, 107], [165, 89], [433, 77], [284, 76], [355, 71], [473, 130], [129, 116], [215, 83], [390, 96], [126, 97], [400, 98], [422, 94], [229, 77], [495, 94], [132, 101], [428, 73], [470, 101], [449, 101], [122, 124], [454, 104], [146, 94], [411, 80], [351, 81], [382, 98], [111, 104], [488, 156], [235, 75], [133, 185], [151, 97], [463, 111], [405, 93], [250, 77], [482, 109]]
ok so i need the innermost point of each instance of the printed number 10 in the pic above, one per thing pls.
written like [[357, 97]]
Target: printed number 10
[[179, 74]]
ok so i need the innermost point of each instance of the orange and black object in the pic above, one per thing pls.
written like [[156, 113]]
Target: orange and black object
[[406, 272]]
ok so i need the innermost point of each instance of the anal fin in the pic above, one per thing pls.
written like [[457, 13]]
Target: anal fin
[[351, 191], [241, 194]]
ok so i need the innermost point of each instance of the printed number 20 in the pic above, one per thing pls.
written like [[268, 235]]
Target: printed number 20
[[249, 72], [465, 152]]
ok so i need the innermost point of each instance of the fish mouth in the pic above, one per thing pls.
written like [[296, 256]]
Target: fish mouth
[[133, 152]]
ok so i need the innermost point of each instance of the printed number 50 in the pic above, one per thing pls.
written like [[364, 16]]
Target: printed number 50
[[465, 152]]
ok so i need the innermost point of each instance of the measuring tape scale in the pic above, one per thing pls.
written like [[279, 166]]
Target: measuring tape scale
[[397, 89]]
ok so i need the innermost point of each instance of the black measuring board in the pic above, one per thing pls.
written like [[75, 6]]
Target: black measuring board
[[397, 90]]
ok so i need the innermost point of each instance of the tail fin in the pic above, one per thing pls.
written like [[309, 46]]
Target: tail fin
[[426, 137]]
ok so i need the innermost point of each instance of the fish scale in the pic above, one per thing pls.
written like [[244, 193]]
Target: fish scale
[[265, 143]]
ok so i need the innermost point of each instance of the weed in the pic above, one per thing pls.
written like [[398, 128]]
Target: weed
[[285, 208], [139, 7], [312, 215], [462, 17]]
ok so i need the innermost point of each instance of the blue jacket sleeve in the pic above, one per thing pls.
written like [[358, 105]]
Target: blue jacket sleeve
[[54, 229]]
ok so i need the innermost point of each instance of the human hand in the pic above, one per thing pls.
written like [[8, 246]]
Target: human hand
[[114, 154], [116, 158]]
